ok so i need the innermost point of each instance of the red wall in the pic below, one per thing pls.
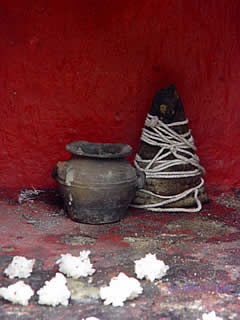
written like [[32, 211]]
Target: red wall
[[88, 70]]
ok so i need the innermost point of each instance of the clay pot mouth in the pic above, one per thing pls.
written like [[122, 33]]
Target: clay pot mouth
[[99, 150]]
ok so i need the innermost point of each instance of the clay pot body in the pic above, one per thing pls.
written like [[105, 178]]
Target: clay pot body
[[97, 184]]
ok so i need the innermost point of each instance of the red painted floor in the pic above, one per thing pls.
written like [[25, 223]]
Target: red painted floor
[[202, 251]]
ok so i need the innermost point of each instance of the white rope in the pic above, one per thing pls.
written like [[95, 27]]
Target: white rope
[[170, 143]]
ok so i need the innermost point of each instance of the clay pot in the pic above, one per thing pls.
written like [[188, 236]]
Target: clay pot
[[97, 184]]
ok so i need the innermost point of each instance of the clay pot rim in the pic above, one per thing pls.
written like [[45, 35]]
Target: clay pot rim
[[99, 150]]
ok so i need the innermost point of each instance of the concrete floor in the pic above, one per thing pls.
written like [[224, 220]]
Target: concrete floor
[[202, 251]]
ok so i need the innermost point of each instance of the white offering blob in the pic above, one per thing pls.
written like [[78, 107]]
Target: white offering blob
[[54, 292], [150, 268], [210, 316], [20, 267], [76, 267], [17, 293], [120, 289]]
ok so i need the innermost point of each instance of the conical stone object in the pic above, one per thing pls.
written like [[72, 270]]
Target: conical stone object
[[167, 157]]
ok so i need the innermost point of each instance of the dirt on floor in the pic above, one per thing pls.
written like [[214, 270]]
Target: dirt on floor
[[201, 250]]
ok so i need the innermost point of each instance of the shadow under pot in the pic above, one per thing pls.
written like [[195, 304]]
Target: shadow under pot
[[97, 184]]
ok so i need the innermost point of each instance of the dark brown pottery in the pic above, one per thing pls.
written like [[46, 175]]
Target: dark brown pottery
[[97, 184]]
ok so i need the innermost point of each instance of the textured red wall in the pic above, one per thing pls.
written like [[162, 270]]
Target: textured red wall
[[88, 70]]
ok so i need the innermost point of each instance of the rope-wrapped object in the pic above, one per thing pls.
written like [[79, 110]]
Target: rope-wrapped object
[[167, 157]]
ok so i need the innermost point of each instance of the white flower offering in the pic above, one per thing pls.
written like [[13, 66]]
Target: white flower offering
[[17, 293], [210, 316], [76, 267], [20, 267], [120, 289], [54, 292], [150, 268]]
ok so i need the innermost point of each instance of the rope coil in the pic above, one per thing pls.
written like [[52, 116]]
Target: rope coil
[[171, 143]]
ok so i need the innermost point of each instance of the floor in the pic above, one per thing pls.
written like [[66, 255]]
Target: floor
[[201, 249]]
